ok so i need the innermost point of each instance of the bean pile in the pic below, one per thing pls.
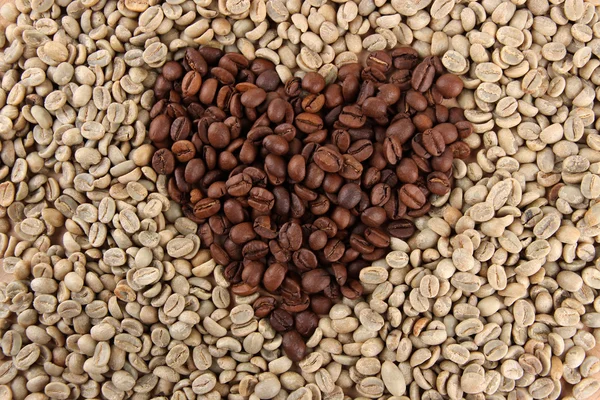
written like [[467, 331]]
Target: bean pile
[[296, 188], [109, 294]]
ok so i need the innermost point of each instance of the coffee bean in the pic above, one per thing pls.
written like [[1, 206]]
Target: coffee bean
[[163, 161], [327, 159], [412, 196], [438, 183], [433, 142], [281, 320], [294, 346], [315, 281]]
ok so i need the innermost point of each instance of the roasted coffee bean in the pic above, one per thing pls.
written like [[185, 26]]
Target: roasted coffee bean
[[449, 85], [315, 281], [349, 195], [255, 250], [290, 236], [306, 322], [313, 179], [317, 240], [239, 185], [327, 159], [263, 306], [281, 320], [294, 346], [313, 82], [304, 260], [412, 196], [264, 227], [433, 141], [242, 233], [274, 276], [402, 229], [380, 194], [261, 199], [334, 250], [163, 161]]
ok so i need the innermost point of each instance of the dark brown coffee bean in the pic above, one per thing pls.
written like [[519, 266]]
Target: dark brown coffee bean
[[253, 97], [349, 195], [449, 85], [239, 185], [315, 281], [444, 161], [290, 236], [401, 229], [352, 117], [274, 276], [172, 70], [276, 144], [351, 168], [255, 250], [261, 199], [265, 227], [327, 159], [294, 346], [220, 255], [313, 82], [196, 61], [268, 80], [297, 168], [407, 171], [306, 322], [216, 190], [373, 216], [433, 141], [309, 123], [163, 161], [159, 128], [320, 304], [380, 60], [304, 260], [194, 170], [374, 107], [334, 250], [243, 289], [242, 233], [412, 196], [317, 240], [263, 306], [352, 290], [183, 150], [438, 183], [281, 320], [320, 205], [180, 129], [380, 194], [313, 103], [416, 100], [460, 150], [218, 135], [361, 149], [252, 272], [423, 76], [377, 237], [465, 129], [392, 149], [206, 208], [275, 168], [360, 244], [190, 85]]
